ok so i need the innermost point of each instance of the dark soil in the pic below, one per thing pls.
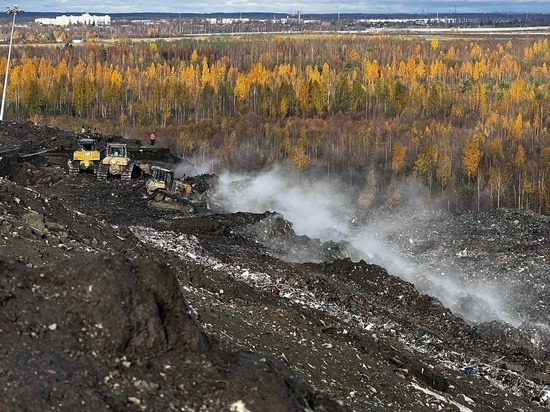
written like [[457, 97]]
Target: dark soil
[[110, 305]]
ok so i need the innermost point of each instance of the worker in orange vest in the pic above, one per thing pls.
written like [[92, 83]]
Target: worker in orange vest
[[153, 138]]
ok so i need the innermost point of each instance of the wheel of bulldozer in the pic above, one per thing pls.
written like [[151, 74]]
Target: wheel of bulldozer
[[159, 196]]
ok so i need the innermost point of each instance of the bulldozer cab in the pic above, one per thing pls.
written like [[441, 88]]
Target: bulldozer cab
[[87, 145], [116, 150], [162, 179]]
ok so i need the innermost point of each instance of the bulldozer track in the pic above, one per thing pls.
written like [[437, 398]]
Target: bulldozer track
[[74, 168], [127, 172], [102, 171]]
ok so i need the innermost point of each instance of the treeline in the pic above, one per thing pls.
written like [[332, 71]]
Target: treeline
[[468, 118]]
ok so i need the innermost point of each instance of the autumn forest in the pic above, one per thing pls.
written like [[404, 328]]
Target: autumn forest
[[462, 120]]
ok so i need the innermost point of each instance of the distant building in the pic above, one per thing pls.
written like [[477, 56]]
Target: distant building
[[227, 20], [75, 20]]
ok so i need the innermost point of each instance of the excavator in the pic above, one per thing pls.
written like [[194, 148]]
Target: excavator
[[115, 162], [165, 191], [86, 158]]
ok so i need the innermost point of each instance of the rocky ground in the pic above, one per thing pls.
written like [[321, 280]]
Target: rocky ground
[[110, 305]]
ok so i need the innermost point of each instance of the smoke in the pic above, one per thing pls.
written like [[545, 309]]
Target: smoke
[[316, 207], [187, 168], [324, 209], [475, 301]]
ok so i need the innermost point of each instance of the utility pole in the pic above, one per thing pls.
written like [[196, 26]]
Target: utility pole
[[13, 11]]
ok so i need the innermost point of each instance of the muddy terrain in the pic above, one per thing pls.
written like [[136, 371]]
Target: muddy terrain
[[109, 304]]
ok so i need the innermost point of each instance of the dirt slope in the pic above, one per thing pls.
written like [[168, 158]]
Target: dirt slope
[[110, 305]]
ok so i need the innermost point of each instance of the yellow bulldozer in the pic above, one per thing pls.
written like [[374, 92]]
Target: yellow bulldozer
[[85, 159], [115, 162], [165, 191]]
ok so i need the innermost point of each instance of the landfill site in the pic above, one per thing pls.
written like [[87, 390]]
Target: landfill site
[[127, 285]]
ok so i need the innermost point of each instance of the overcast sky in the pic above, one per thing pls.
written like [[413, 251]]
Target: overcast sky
[[287, 6]]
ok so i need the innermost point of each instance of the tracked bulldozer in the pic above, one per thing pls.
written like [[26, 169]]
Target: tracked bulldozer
[[115, 162], [85, 159], [165, 191]]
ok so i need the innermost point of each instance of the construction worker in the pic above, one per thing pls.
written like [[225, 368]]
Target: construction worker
[[153, 138]]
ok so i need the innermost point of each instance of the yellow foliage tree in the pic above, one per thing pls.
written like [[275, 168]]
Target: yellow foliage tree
[[187, 143], [516, 127], [152, 71], [517, 91], [353, 55], [520, 158], [425, 163], [242, 87], [476, 53], [205, 73], [299, 158], [472, 154], [398, 157]]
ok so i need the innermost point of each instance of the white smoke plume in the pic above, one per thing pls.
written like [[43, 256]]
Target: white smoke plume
[[323, 209], [475, 302], [316, 208], [205, 166]]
